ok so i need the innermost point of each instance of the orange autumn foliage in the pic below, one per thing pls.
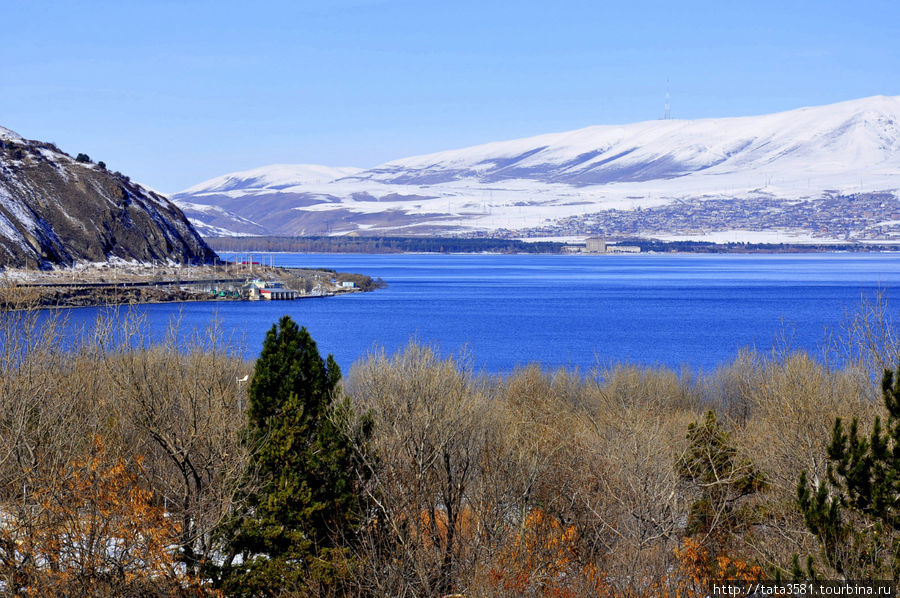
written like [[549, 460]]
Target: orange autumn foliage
[[701, 568], [91, 530], [697, 569], [543, 560], [434, 530]]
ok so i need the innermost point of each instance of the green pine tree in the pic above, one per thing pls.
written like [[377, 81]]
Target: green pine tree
[[855, 511], [288, 538], [722, 479]]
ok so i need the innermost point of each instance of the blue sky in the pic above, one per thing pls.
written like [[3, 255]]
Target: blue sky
[[175, 92]]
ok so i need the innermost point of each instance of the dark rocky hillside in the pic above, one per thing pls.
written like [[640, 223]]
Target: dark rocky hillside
[[59, 210]]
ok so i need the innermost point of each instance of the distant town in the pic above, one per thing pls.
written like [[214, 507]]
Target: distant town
[[857, 217]]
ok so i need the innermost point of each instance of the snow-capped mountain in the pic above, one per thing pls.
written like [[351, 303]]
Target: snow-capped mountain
[[547, 183], [276, 176], [58, 210]]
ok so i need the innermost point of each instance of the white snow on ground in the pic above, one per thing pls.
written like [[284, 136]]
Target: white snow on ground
[[9, 135], [207, 230], [203, 208], [276, 176]]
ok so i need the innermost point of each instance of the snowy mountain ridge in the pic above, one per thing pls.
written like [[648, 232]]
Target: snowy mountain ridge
[[276, 176], [533, 184], [669, 148]]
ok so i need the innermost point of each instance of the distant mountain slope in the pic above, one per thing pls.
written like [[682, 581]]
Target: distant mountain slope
[[824, 140], [539, 183], [55, 210], [276, 176]]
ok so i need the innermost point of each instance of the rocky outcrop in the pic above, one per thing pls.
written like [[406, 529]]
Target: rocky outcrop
[[58, 210]]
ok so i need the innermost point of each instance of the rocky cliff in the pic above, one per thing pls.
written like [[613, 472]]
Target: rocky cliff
[[59, 210]]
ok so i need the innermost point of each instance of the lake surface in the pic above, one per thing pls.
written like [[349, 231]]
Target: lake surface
[[566, 310]]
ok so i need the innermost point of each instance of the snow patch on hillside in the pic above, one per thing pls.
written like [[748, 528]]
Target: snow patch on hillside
[[276, 176], [9, 135]]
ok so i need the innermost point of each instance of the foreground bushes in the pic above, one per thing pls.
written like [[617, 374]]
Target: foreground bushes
[[121, 461], [167, 416], [621, 483]]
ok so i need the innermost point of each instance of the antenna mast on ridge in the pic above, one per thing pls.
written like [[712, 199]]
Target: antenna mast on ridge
[[667, 114]]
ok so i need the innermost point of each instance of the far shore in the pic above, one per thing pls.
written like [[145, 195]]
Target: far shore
[[517, 245]]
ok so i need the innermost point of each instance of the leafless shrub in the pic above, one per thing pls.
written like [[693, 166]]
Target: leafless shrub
[[176, 409], [181, 403], [423, 536], [868, 340]]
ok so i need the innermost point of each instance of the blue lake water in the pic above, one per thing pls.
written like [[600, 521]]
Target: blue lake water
[[566, 310]]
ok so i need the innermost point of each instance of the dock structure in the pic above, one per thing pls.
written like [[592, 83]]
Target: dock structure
[[277, 294], [268, 290]]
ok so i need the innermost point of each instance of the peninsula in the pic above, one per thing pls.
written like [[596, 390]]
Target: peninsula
[[116, 284]]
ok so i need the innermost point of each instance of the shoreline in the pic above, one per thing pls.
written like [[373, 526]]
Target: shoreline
[[172, 301], [105, 285]]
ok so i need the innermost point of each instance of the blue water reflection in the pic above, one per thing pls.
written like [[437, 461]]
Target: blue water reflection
[[558, 310]]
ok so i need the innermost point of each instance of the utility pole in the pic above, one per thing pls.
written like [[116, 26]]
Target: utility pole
[[668, 114]]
